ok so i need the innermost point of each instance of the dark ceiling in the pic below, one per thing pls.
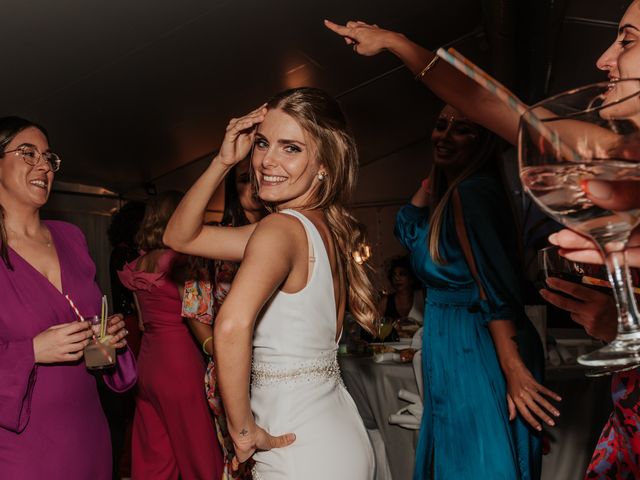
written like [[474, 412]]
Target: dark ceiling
[[131, 91]]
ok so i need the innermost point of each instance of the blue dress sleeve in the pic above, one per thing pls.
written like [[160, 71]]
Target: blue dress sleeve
[[493, 237], [411, 225]]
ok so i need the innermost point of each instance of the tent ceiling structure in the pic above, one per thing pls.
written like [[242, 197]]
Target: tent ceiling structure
[[131, 92]]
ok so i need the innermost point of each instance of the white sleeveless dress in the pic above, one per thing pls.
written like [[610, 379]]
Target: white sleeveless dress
[[296, 385]]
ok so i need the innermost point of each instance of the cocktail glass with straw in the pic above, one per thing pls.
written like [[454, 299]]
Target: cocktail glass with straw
[[99, 353]]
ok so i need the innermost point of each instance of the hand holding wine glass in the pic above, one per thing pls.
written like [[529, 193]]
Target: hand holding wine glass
[[587, 134]]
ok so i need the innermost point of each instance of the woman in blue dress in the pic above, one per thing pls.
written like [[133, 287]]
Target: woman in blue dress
[[482, 358]]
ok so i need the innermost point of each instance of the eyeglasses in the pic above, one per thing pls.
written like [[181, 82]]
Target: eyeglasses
[[33, 157]]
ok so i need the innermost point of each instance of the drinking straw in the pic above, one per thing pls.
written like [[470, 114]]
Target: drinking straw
[[74, 308], [471, 70], [103, 319], [81, 318]]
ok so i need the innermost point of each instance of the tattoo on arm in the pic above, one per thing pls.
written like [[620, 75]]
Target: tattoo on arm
[[244, 432]]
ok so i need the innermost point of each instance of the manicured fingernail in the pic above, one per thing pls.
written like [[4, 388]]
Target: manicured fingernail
[[538, 428], [552, 423], [597, 189], [553, 238]]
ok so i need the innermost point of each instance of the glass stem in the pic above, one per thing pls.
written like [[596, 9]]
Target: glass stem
[[620, 279]]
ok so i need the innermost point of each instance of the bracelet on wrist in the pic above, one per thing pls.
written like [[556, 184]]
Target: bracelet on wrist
[[204, 346], [428, 67]]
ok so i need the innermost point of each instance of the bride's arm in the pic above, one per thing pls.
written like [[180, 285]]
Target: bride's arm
[[185, 231], [267, 263]]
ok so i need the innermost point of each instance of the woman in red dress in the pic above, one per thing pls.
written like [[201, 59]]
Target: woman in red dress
[[173, 431]]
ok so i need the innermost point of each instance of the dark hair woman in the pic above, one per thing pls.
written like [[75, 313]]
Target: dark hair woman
[[204, 292], [46, 390]]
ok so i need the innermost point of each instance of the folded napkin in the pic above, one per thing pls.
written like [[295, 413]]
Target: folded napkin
[[410, 416], [386, 357]]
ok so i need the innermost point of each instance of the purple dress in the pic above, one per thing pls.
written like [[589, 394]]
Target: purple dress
[[51, 422]]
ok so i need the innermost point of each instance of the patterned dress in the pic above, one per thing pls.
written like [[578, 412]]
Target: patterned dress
[[617, 455], [202, 301]]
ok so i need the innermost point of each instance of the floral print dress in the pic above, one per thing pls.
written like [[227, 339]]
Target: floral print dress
[[617, 455], [202, 301]]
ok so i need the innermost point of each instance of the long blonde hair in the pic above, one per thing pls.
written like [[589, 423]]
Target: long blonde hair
[[320, 115], [486, 153]]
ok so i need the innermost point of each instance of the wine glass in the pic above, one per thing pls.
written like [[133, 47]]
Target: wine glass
[[385, 327], [590, 133], [552, 264]]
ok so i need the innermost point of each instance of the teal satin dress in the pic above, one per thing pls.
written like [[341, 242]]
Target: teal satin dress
[[466, 433]]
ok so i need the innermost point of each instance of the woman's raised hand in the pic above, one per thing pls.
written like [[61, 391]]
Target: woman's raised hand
[[240, 136], [367, 40], [62, 343]]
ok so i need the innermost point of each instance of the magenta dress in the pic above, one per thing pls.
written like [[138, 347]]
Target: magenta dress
[[51, 422], [173, 430]]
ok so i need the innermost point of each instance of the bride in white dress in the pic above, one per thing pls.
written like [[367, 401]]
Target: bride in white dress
[[288, 408]]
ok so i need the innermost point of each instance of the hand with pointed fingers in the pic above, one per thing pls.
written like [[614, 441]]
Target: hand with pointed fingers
[[247, 443], [527, 397], [367, 40], [116, 328], [239, 137], [594, 310], [62, 343]]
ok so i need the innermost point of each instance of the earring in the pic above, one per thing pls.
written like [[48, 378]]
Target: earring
[[322, 175]]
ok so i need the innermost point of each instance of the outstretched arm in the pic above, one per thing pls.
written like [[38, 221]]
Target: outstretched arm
[[186, 231], [445, 81]]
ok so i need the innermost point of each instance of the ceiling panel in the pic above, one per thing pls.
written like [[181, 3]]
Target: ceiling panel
[[131, 91]]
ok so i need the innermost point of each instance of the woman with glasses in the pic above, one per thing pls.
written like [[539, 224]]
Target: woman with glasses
[[51, 422]]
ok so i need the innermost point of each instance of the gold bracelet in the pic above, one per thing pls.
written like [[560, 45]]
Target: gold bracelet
[[429, 66], [204, 345]]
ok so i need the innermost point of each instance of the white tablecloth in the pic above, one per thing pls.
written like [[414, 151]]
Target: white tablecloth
[[374, 387]]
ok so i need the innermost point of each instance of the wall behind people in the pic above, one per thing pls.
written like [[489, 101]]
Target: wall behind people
[[92, 214]]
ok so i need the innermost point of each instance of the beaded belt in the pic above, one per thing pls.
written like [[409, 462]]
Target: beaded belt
[[324, 368]]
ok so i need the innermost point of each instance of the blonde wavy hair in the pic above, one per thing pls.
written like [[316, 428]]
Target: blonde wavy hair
[[321, 117]]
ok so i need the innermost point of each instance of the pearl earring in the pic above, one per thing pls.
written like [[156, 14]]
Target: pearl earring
[[322, 175]]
